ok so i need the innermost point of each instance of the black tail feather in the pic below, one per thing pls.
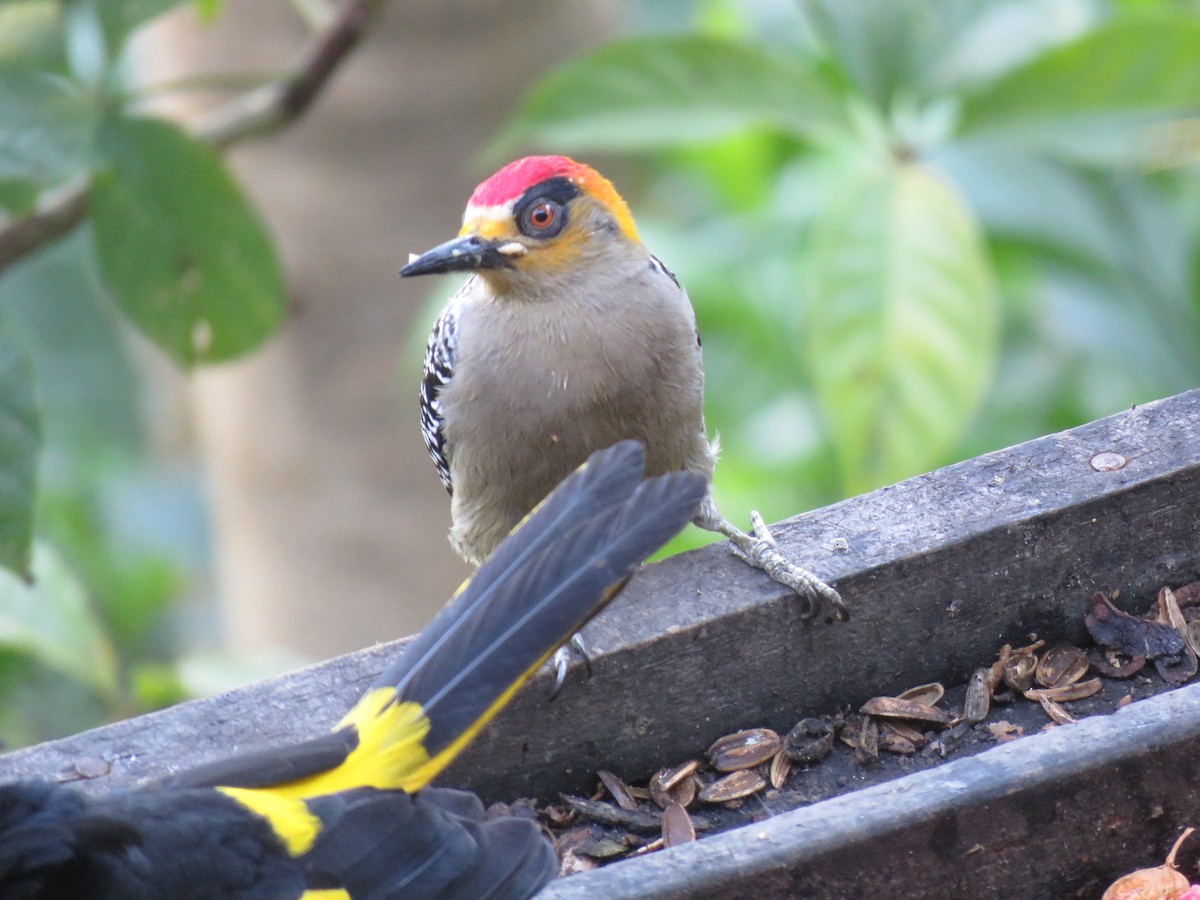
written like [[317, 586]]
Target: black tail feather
[[550, 576]]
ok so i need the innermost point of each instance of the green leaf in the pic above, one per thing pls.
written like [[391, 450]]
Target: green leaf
[[46, 127], [52, 621], [179, 247], [20, 441], [1119, 225], [743, 168], [901, 321], [653, 92], [888, 47], [88, 387], [1105, 87]]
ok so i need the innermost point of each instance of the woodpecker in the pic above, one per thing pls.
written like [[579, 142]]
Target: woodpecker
[[349, 815], [569, 335]]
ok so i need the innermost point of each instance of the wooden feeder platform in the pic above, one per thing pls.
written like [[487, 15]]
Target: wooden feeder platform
[[939, 572]]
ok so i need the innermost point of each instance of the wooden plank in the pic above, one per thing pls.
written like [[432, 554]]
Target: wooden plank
[[939, 571], [1057, 814], [303, 702]]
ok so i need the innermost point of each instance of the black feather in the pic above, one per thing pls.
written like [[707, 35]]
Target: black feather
[[274, 765], [386, 845], [58, 844], [185, 840]]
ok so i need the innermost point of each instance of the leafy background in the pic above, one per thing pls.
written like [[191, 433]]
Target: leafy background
[[913, 231]]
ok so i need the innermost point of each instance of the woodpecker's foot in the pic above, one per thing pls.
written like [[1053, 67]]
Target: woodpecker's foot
[[562, 660], [759, 549]]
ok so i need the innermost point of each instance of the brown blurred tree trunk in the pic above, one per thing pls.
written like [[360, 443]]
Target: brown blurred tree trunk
[[329, 521]]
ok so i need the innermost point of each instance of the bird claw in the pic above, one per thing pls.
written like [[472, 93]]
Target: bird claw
[[562, 661], [763, 553], [760, 529]]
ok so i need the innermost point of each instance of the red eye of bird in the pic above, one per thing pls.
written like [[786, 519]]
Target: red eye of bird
[[543, 215]]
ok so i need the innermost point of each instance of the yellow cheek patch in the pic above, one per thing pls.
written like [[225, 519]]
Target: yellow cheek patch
[[288, 817], [558, 254]]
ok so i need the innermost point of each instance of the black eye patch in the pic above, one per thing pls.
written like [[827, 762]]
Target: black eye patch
[[528, 212]]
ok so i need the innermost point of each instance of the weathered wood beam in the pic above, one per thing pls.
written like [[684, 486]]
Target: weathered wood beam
[[939, 570]]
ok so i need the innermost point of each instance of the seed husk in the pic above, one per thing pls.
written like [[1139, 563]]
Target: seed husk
[[744, 749], [1019, 672], [1067, 692], [781, 767], [899, 708], [893, 743], [685, 792], [672, 777], [677, 826], [1005, 731], [674, 784], [618, 789], [1061, 665], [928, 694], [979, 697], [735, 786], [1059, 715], [1182, 670], [867, 749], [902, 729]]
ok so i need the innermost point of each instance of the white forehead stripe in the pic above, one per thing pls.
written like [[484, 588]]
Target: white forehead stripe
[[488, 213]]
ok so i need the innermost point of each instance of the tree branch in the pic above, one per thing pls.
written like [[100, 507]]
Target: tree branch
[[254, 114], [54, 220]]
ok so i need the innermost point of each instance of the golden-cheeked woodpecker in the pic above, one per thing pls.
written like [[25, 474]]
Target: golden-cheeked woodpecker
[[568, 336]]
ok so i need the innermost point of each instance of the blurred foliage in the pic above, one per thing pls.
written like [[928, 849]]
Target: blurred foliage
[[169, 247], [913, 230]]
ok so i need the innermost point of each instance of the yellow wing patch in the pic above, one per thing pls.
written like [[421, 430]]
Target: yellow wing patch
[[288, 817], [430, 769], [389, 748]]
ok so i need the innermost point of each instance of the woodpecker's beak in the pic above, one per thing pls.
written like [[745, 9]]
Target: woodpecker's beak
[[465, 254]]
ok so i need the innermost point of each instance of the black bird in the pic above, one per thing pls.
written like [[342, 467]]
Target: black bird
[[349, 815]]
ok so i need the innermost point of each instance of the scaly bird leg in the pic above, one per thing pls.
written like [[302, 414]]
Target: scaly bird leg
[[759, 550], [562, 659]]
